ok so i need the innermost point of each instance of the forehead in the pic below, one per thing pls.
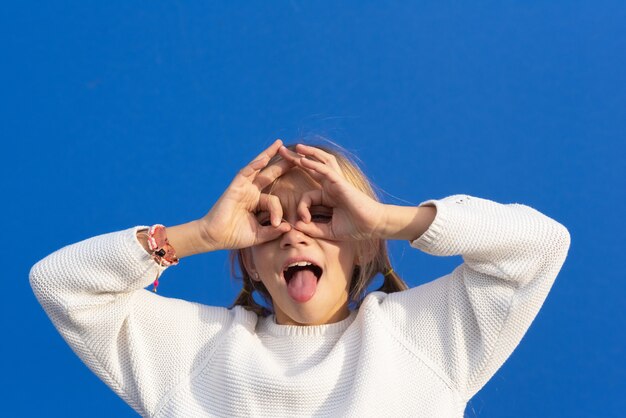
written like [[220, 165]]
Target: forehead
[[292, 184]]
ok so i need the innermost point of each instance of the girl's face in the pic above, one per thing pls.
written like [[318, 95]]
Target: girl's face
[[304, 294]]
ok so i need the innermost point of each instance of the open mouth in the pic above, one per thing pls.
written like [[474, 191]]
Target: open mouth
[[293, 268], [302, 277]]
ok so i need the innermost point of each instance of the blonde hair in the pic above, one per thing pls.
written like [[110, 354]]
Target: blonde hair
[[377, 259]]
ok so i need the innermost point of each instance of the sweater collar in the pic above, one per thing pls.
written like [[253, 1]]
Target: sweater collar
[[268, 325]]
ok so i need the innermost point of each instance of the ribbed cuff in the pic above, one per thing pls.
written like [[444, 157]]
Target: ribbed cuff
[[137, 253], [430, 239]]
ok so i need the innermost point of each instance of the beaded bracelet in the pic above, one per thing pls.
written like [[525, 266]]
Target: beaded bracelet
[[161, 250]]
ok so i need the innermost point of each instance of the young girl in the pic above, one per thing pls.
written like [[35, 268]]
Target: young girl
[[309, 235]]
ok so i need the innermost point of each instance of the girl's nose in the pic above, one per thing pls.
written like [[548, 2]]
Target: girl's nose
[[294, 238]]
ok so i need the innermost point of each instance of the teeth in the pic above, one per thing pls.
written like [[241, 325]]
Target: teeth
[[299, 264]]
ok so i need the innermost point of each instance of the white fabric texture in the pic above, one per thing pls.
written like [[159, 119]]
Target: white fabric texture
[[423, 352]]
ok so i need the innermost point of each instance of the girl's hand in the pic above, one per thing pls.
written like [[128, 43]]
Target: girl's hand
[[355, 215], [231, 223]]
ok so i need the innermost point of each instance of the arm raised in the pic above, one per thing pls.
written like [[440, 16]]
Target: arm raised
[[470, 321]]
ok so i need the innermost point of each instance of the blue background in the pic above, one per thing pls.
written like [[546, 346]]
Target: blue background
[[122, 113]]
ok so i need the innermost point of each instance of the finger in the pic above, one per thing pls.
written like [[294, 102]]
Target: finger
[[261, 160], [321, 169], [270, 151], [268, 175], [252, 168], [308, 199], [314, 230], [288, 154], [276, 210], [319, 155], [296, 160], [269, 233], [272, 204], [301, 160]]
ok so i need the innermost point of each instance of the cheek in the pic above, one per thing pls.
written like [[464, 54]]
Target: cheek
[[260, 255], [345, 255]]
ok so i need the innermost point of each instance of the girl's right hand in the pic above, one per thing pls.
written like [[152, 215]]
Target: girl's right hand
[[231, 223]]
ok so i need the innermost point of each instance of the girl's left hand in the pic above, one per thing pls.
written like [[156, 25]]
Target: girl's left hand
[[356, 216]]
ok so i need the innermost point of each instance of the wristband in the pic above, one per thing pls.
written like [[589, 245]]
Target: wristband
[[161, 250]]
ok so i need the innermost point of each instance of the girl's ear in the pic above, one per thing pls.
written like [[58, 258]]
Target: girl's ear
[[248, 263]]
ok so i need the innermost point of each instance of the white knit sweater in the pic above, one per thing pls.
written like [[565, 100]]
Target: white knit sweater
[[423, 352]]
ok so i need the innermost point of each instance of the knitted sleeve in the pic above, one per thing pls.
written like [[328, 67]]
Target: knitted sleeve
[[468, 322], [138, 343]]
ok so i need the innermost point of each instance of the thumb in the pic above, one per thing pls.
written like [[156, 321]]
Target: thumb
[[315, 230], [270, 232]]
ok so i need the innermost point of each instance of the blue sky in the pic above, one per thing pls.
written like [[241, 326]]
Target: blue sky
[[510, 101]]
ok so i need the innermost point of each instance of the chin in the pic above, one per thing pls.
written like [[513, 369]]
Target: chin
[[305, 318]]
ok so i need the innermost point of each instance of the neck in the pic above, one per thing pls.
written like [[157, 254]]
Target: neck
[[337, 316]]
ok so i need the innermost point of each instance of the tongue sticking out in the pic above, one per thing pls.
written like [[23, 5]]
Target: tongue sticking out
[[302, 285]]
